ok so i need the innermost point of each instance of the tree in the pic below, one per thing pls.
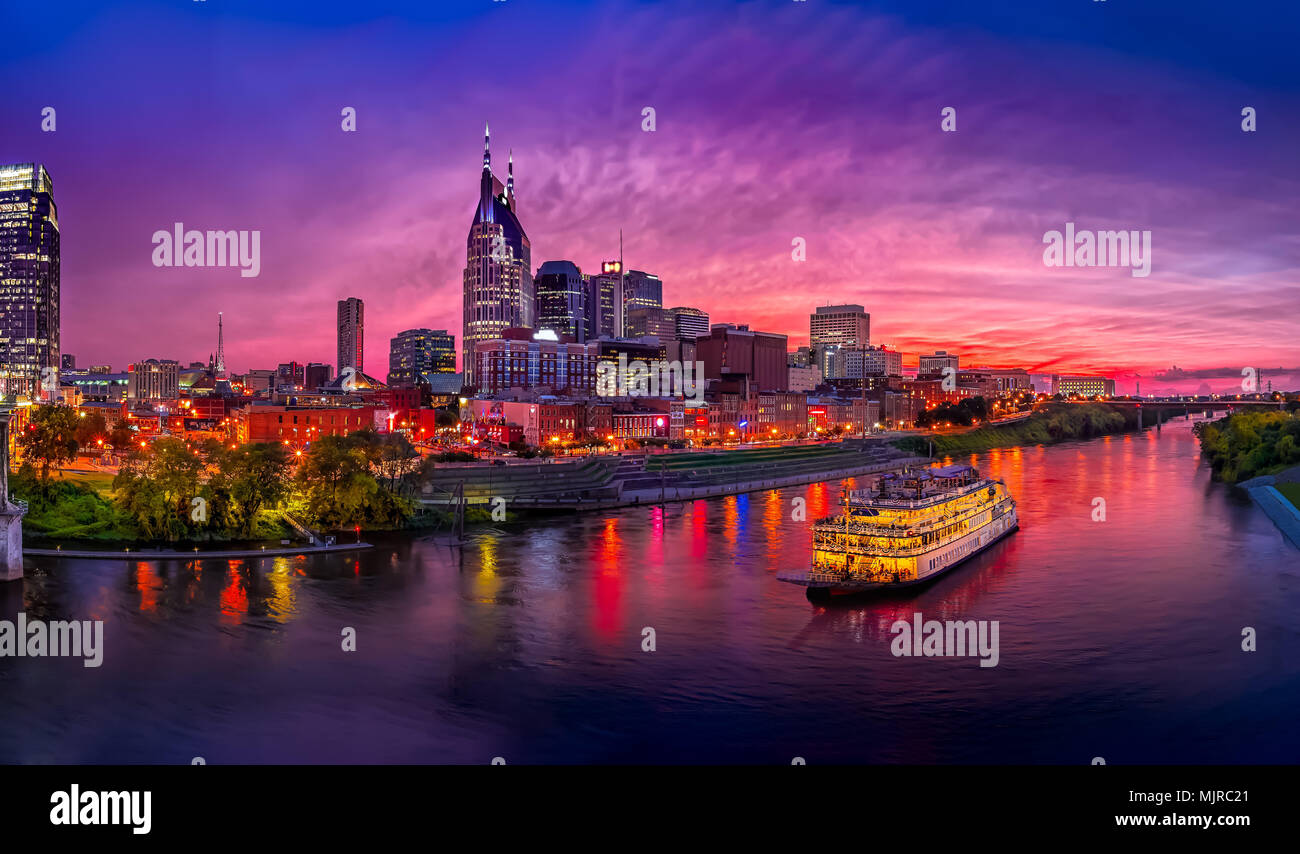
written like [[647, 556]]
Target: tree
[[335, 484], [258, 477], [91, 427], [157, 488], [50, 438], [121, 437]]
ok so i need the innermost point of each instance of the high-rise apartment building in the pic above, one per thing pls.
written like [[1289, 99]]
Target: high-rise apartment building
[[498, 277], [29, 282], [351, 327]]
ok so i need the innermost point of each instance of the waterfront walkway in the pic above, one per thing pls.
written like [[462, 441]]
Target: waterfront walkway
[[612, 481], [173, 554], [1283, 513]]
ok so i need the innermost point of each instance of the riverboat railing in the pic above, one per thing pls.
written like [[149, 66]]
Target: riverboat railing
[[867, 497]]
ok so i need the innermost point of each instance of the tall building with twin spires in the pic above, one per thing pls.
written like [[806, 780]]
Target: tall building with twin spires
[[498, 276]]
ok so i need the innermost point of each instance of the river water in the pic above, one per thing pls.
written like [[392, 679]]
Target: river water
[[1119, 639]]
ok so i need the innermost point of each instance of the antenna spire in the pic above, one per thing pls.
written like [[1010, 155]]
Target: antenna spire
[[487, 156], [221, 348]]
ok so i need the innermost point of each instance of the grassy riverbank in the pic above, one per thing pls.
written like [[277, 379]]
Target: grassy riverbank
[[1291, 492], [1056, 423]]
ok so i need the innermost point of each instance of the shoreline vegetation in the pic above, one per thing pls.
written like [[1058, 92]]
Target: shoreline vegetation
[[1246, 445], [174, 493], [1056, 423], [177, 495]]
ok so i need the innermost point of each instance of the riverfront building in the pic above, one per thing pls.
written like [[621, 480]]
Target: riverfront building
[[1083, 386]]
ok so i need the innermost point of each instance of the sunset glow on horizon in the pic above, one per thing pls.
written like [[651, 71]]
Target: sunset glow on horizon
[[779, 121]]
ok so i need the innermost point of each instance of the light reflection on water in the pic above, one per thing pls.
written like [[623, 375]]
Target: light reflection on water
[[1118, 638]]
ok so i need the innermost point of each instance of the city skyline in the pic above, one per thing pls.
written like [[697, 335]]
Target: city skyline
[[937, 235]]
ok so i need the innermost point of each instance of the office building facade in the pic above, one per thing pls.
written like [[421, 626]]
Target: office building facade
[[498, 277], [562, 298], [29, 282], [839, 325], [417, 354]]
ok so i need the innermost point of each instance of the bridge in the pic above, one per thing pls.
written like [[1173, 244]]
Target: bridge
[[1159, 410]]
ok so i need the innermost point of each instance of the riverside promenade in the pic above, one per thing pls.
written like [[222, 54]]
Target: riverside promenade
[[192, 554], [1275, 505], [607, 482]]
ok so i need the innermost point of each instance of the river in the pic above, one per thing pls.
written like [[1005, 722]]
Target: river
[[1119, 639]]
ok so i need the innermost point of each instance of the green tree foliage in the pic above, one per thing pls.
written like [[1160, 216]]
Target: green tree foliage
[[66, 510], [91, 427], [156, 488], [121, 437], [1057, 423], [964, 413], [336, 487], [50, 438], [1248, 444], [257, 477]]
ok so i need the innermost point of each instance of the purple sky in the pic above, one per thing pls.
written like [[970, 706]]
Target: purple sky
[[775, 120]]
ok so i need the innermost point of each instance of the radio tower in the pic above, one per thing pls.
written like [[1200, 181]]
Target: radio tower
[[221, 350]]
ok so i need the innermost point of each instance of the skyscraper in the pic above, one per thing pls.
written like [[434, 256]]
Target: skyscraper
[[641, 290], [416, 354], [498, 276], [562, 299], [605, 317], [29, 281], [352, 322]]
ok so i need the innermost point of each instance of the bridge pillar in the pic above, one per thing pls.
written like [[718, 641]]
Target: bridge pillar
[[11, 515]]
